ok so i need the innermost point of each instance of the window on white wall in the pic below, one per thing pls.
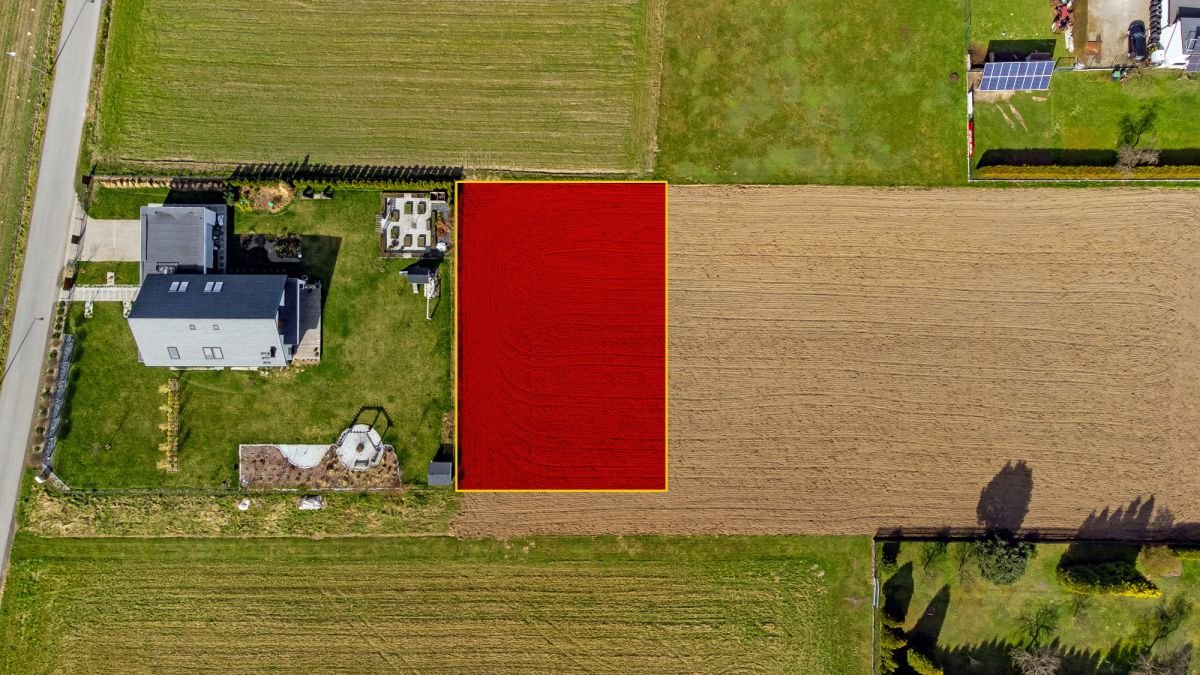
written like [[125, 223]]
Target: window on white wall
[[173, 352]]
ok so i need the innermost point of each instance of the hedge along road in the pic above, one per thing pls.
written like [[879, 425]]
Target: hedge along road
[[53, 205]]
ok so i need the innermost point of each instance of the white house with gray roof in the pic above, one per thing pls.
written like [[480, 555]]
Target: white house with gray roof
[[1180, 35], [183, 239], [217, 320]]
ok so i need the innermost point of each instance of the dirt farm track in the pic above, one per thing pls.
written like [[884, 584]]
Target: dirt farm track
[[844, 360]]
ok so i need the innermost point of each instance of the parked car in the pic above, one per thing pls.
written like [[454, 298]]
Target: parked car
[[1137, 41]]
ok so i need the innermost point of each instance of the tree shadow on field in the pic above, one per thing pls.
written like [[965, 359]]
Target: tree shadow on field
[[898, 592], [305, 170], [925, 634], [1131, 128], [1004, 501]]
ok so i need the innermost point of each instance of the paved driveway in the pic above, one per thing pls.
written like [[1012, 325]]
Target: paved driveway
[[111, 240], [1109, 21]]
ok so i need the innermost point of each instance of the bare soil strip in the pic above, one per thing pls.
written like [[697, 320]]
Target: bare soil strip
[[846, 359]]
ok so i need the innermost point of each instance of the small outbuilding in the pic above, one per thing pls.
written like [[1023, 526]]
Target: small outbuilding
[[440, 473]]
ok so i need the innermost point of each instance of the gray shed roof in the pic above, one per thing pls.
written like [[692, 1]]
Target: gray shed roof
[[174, 236], [231, 296], [418, 274], [1190, 27], [440, 473]]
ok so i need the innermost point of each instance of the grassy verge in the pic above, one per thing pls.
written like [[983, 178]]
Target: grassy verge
[[49, 513], [975, 623], [556, 86], [95, 272], [633, 604], [29, 31], [813, 92], [378, 350]]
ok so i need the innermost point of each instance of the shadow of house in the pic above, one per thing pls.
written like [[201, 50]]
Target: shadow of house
[[1004, 501], [320, 258]]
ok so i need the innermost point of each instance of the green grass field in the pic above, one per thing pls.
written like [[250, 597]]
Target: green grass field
[[630, 605], [1090, 113], [25, 28], [996, 21], [548, 84], [981, 621], [815, 91], [95, 273], [378, 350]]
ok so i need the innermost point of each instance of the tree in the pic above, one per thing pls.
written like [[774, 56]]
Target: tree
[[1002, 558], [1163, 620], [932, 553], [1130, 156], [891, 640], [1039, 624], [1044, 661], [964, 562]]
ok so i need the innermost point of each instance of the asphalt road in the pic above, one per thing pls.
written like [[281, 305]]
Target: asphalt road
[[49, 233]]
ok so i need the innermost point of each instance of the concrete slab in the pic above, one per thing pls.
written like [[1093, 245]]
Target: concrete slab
[[100, 294], [111, 240], [1108, 21]]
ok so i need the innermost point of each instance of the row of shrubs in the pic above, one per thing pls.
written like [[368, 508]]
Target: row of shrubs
[[1058, 172], [1106, 578], [894, 650], [413, 185]]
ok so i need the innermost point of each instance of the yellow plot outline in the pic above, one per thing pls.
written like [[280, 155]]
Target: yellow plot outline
[[666, 335]]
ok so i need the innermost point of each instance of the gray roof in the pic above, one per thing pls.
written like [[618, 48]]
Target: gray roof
[[440, 473], [174, 236], [1190, 27], [1185, 8], [241, 296], [418, 274]]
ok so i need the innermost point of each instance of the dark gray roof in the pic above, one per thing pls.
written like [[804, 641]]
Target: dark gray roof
[[1190, 28], [440, 473], [1185, 8], [174, 236], [242, 296], [418, 275]]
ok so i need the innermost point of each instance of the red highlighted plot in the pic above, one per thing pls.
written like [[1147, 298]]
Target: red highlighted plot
[[562, 355]]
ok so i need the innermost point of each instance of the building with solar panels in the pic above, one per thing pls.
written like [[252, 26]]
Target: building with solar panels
[[1179, 35]]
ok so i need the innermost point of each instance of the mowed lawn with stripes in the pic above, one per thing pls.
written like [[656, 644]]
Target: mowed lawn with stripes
[[487, 84]]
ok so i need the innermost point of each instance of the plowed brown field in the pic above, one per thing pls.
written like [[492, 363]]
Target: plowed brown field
[[844, 360]]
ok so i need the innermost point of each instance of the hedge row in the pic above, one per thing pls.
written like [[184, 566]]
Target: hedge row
[[1086, 172], [414, 185], [1107, 578], [1187, 552], [922, 664]]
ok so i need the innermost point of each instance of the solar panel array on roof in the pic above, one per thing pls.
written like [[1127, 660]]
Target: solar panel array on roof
[[1017, 76]]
